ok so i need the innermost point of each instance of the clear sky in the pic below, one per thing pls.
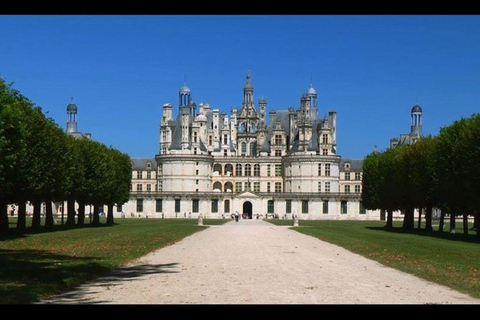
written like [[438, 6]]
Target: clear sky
[[121, 69]]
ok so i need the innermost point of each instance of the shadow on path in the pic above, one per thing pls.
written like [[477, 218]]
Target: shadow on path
[[114, 278]]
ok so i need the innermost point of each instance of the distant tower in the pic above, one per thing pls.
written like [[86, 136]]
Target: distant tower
[[247, 122], [312, 94], [416, 124], [72, 117]]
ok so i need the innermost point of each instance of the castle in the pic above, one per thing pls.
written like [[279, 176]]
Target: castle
[[215, 164]]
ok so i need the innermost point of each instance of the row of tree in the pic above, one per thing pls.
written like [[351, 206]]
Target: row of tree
[[440, 172], [40, 163]]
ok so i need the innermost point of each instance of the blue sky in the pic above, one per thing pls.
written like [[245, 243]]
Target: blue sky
[[121, 69]]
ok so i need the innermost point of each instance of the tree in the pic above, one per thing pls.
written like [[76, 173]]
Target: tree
[[13, 148]]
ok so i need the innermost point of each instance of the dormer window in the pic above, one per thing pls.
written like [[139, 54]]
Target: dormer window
[[347, 165]]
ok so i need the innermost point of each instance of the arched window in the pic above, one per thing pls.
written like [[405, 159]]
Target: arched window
[[238, 170], [228, 170], [217, 186], [228, 187], [248, 170], [217, 168], [256, 170]]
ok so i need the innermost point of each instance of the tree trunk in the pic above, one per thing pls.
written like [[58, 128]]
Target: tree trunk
[[476, 224], [70, 213], [3, 217], [22, 214], [48, 214], [389, 224], [110, 215], [442, 220], [419, 224], [465, 224], [96, 217], [37, 204], [408, 219], [81, 214], [382, 214], [452, 221], [428, 218]]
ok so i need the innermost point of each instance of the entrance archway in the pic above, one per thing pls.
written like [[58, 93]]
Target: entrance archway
[[247, 209]]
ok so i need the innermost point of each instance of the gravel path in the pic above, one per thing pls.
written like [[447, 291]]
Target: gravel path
[[255, 262]]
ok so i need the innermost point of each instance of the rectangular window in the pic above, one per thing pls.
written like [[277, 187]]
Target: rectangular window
[[327, 169], [149, 175], [139, 174], [319, 169], [238, 186], [270, 206], [195, 206], [214, 206], [177, 205], [149, 187], [278, 170], [357, 188], [325, 152], [304, 206], [268, 186], [256, 186], [325, 138], [357, 176], [227, 206], [325, 206], [238, 170], [278, 187], [347, 175], [119, 208], [347, 189], [278, 139], [327, 187], [319, 186], [268, 170], [278, 153], [139, 187], [289, 206], [343, 206], [362, 208], [225, 139], [139, 205], [158, 205]]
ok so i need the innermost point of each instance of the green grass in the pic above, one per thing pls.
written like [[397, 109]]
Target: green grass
[[36, 265], [448, 259]]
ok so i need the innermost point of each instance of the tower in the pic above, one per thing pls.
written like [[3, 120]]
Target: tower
[[72, 117], [247, 120], [416, 121]]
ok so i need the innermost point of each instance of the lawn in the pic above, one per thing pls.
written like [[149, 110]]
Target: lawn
[[36, 265], [448, 259]]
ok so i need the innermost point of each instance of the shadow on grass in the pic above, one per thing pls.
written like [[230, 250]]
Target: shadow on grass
[[13, 233], [458, 236], [116, 277], [28, 276]]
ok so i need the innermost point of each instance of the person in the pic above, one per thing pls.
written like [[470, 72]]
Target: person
[[236, 216]]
